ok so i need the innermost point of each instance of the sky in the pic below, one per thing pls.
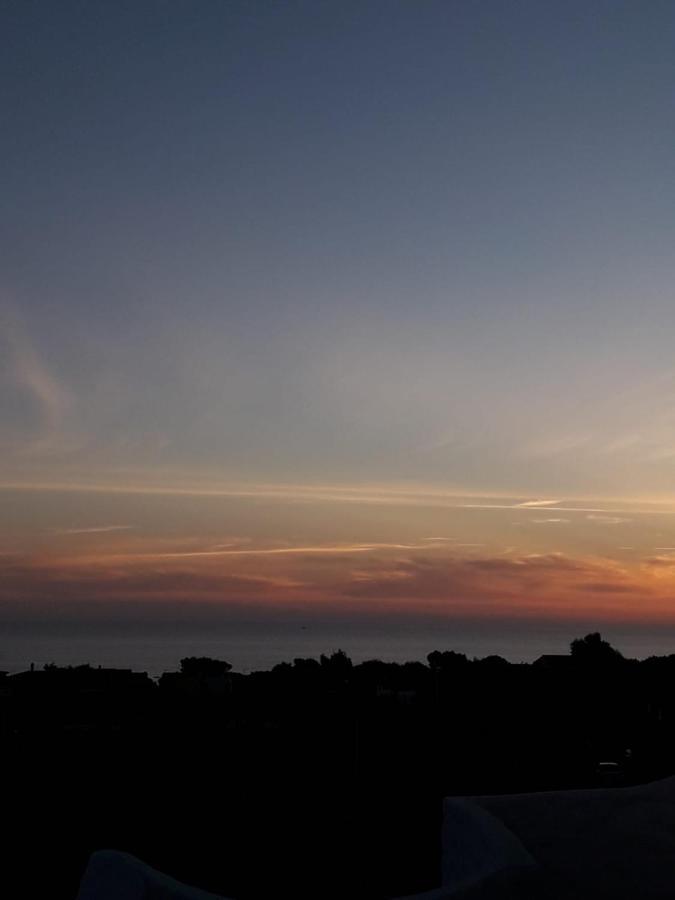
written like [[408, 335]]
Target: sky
[[336, 312]]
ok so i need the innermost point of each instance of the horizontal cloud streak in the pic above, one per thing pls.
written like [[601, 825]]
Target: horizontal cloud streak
[[370, 494], [96, 529]]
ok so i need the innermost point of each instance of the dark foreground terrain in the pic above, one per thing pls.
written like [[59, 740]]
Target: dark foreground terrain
[[317, 779]]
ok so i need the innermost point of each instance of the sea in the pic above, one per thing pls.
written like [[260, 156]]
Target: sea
[[247, 653]]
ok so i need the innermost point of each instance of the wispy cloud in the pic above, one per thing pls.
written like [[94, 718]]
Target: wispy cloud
[[96, 529], [560, 445], [660, 561], [550, 521], [523, 506], [28, 372], [537, 583], [424, 496], [318, 549], [606, 520]]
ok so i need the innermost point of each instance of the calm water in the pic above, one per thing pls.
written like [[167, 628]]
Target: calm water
[[248, 653]]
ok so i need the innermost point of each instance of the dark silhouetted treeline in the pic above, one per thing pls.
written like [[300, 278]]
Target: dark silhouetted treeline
[[317, 778]]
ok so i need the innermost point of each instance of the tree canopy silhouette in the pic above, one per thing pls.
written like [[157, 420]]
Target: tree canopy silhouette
[[593, 650], [203, 666], [446, 660], [338, 663]]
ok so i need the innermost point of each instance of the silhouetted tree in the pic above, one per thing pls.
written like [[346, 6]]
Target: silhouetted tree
[[493, 662], [338, 664], [446, 661], [592, 650], [203, 667], [282, 668], [306, 666]]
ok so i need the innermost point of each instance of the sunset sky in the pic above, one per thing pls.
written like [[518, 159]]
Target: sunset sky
[[337, 314]]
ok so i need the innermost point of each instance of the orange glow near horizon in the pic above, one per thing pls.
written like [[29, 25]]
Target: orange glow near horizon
[[385, 555]]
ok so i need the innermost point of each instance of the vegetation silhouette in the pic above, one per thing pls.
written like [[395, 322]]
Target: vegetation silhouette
[[203, 667], [593, 651], [318, 765]]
